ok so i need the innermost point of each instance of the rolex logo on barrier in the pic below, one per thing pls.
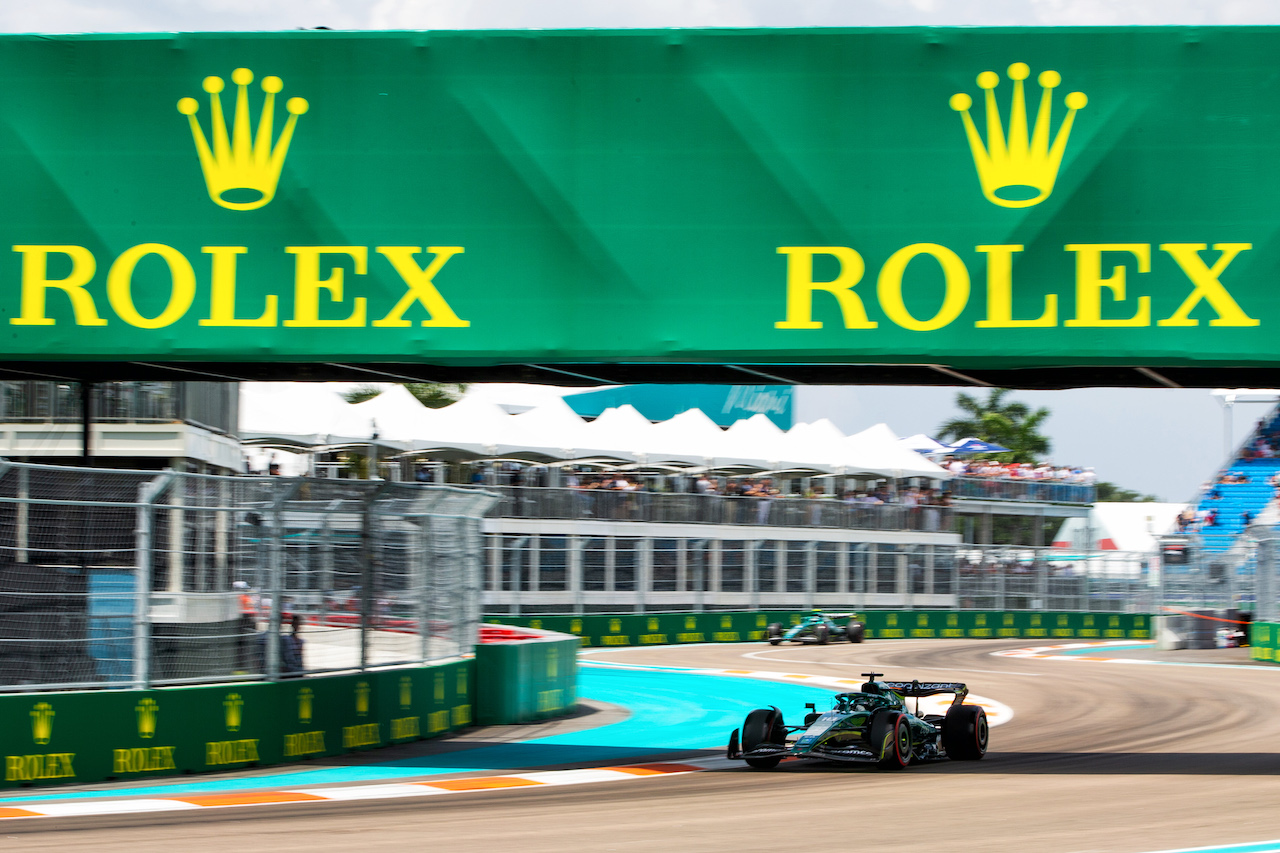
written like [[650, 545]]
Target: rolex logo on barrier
[[231, 707], [42, 723], [1018, 170], [48, 765], [362, 699], [305, 700], [147, 710], [406, 692], [242, 167]]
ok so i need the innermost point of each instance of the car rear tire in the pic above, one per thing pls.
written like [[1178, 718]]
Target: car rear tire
[[856, 632], [763, 725], [775, 633], [891, 738], [821, 635], [965, 732]]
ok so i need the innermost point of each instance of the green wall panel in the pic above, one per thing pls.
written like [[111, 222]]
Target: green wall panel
[[52, 738], [742, 626]]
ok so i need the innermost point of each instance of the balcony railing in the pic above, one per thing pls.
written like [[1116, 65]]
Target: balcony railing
[[535, 502], [1042, 491]]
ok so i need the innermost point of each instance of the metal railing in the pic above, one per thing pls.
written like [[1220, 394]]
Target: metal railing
[[1043, 491], [115, 578], [676, 507], [586, 573]]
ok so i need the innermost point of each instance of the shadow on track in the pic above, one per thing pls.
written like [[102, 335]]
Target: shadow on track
[[1075, 763]]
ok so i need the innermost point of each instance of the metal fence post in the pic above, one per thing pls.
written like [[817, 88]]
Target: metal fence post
[[274, 533], [421, 575], [275, 580], [21, 530], [1265, 589], [810, 574], [368, 572], [144, 550]]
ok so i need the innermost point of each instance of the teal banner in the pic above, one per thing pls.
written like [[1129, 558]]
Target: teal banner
[[723, 404], [985, 198]]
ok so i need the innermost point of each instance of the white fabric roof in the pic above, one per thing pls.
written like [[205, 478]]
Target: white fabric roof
[[1117, 526], [479, 425], [395, 414], [690, 436], [876, 450], [922, 443], [291, 408]]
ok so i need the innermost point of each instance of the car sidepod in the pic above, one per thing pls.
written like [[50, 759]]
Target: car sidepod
[[836, 736]]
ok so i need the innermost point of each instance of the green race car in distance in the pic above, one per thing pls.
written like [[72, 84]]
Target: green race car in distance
[[872, 726], [820, 628]]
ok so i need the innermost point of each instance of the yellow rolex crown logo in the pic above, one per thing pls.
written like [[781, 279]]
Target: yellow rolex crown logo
[[231, 706], [306, 698], [241, 168], [1018, 170], [147, 710], [362, 698], [406, 692], [42, 722]]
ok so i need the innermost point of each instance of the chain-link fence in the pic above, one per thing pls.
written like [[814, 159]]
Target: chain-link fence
[[132, 578], [556, 571], [681, 508]]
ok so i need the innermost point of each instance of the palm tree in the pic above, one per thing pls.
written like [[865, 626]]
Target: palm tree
[[433, 395], [1012, 425], [436, 395]]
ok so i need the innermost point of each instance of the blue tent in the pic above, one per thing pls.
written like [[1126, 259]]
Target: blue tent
[[975, 445]]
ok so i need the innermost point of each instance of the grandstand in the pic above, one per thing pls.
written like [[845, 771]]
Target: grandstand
[[1226, 503]]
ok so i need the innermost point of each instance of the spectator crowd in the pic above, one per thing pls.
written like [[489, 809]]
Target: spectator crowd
[[994, 469]]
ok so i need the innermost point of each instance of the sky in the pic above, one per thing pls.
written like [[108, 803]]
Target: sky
[[1165, 442]]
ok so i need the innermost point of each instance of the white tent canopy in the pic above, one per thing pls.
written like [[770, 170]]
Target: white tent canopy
[[481, 426], [395, 415], [876, 450], [690, 436], [550, 431], [922, 443]]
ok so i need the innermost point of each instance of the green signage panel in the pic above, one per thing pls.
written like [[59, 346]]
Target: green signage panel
[[986, 198]]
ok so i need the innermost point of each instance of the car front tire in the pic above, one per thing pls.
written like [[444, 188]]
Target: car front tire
[[763, 725], [774, 632], [891, 738]]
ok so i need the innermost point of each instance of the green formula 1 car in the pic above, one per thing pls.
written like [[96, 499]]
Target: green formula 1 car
[[872, 726], [820, 628]]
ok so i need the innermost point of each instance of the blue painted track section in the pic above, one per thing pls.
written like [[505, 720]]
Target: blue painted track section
[[672, 710]]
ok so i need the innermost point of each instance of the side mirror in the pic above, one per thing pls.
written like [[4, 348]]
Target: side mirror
[[811, 706]]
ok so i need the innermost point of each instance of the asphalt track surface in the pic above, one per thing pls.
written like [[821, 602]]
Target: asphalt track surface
[[1098, 757]]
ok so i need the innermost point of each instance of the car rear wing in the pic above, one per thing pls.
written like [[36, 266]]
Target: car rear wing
[[927, 688]]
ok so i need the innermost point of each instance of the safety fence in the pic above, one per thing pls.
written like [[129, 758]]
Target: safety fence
[[1001, 489], [91, 736], [613, 572], [113, 578], [658, 629], [676, 507]]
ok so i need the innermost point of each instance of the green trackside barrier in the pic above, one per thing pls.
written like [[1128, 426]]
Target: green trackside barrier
[[741, 626], [93, 736], [546, 685], [1264, 641]]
